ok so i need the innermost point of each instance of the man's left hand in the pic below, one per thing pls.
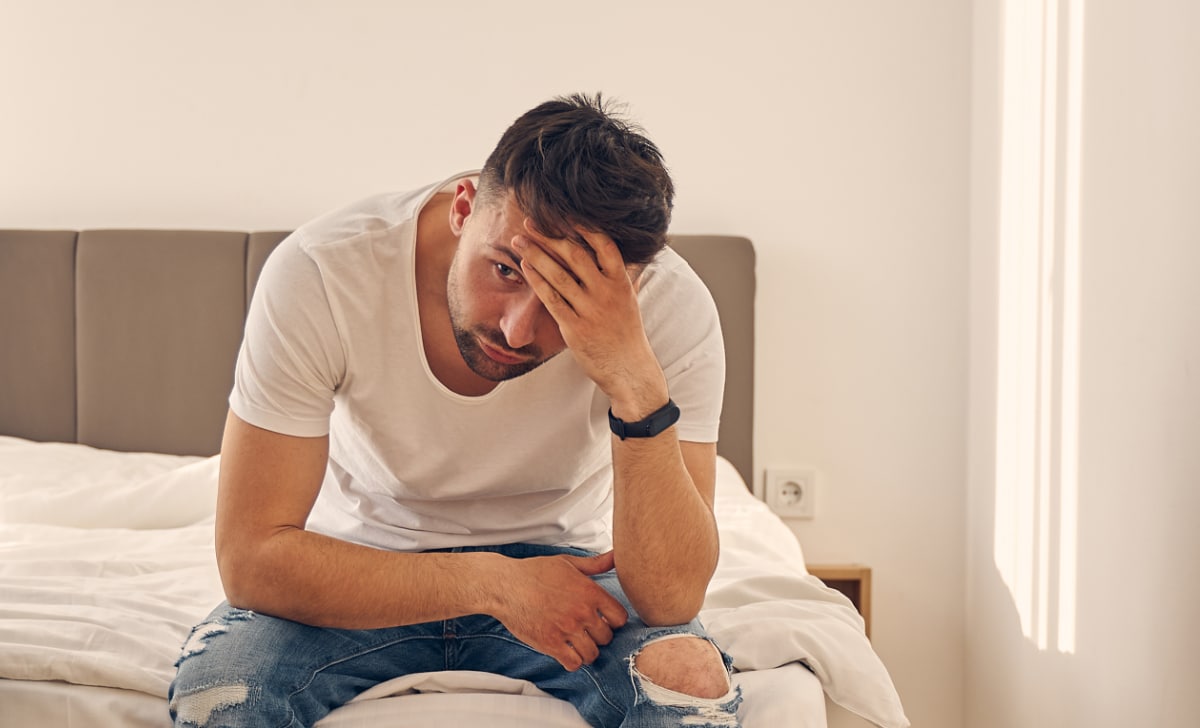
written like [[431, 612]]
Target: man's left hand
[[592, 296]]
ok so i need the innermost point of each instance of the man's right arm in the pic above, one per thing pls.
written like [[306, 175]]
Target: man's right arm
[[270, 564]]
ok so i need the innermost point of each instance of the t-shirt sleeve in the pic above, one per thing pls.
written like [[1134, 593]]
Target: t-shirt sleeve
[[685, 331], [292, 360]]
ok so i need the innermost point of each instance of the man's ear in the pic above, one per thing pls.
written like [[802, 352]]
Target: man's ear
[[462, 205]]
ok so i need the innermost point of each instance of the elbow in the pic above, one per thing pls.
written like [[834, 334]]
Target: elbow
[[242, 584], [669, 615], [666, 598], [669, 610], [235, 583]]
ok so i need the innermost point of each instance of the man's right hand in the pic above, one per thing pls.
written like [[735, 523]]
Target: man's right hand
[[267, 560], [551, 604]]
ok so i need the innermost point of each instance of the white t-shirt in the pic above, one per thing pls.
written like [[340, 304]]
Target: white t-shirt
[[333, 345]]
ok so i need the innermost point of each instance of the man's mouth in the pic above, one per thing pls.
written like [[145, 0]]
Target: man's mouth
[[499, 355]]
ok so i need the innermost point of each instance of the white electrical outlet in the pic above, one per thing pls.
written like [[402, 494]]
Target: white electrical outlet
[[791, 492]]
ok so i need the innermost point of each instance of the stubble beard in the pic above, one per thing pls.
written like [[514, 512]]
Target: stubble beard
[[473, 354], [482, 364]]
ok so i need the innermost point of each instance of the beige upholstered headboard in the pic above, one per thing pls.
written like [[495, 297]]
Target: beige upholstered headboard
[[126, 339]]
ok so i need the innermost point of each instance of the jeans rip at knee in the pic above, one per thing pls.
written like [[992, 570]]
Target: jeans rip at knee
[[689, 710], [197, 704], [197, 641]]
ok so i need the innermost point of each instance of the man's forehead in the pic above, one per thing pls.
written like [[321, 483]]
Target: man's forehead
[[517, 215], [509, 203], [634, 269]]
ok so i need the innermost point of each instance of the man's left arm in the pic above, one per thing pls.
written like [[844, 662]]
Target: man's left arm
[[664, 534]]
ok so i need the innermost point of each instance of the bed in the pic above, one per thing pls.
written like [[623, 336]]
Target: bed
[[116, 359]]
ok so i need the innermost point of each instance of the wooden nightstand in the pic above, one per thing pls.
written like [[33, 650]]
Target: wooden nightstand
[[853, 580]]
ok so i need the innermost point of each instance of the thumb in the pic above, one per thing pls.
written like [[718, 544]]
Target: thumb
[[592, 565]]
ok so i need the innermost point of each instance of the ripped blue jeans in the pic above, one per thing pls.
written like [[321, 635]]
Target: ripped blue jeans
[[240, 668]]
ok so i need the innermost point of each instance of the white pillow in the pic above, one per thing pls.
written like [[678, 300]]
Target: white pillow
[[65, 484]]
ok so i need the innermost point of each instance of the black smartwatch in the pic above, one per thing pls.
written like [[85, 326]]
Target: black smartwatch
[[658, 421]]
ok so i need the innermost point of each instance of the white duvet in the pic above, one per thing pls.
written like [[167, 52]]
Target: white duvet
[[106, 562]]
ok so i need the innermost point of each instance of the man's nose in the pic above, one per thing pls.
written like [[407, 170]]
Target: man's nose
[[520, 321]]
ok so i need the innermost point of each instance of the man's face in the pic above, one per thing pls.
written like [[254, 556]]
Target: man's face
[[502, 328]]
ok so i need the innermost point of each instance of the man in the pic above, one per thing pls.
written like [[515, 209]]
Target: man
[[473, 427]]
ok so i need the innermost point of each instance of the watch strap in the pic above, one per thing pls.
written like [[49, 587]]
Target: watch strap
[[654, 423]]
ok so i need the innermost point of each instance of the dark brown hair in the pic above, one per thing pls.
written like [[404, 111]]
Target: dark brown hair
[[571, 162]]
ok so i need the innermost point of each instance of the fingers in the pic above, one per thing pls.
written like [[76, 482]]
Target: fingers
[[614, 614], [586, 649], [609, 614], [569, 267], [593, 565], [560, 610], [600, 632], [583, 648], [595, 246], [569, 658], [558, 288], [610, 610], [581, 255], [578, 648], [608, 255], [555, 302]]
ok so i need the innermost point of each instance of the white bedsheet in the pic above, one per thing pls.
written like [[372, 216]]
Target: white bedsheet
[[106, 562], [789, 696]]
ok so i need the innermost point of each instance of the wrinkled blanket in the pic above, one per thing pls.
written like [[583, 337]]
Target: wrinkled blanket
[[106, 562]]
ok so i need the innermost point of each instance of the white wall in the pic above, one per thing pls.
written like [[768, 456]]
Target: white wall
[[1136, 597], [835, 135]]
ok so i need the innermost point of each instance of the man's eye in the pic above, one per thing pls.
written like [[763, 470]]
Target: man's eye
[[507, 272]]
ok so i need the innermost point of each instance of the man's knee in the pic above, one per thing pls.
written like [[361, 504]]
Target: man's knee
[[208, 683], [684, 664], [199, 707]]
